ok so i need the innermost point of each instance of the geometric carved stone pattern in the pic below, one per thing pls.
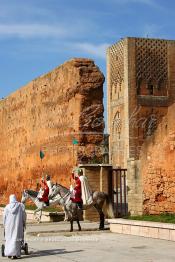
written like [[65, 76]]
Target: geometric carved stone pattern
[[151, 60], [116, 129], [116, 64]]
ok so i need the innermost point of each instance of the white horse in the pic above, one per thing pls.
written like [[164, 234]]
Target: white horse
[[32, 195], [101, 203]]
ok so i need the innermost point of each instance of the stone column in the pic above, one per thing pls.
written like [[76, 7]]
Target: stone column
[[134, 186]]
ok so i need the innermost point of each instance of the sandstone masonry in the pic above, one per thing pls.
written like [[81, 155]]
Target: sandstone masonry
[[48, 114], [141, 90], [158, 167]]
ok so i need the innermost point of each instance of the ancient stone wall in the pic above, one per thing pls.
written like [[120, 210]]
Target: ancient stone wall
[[51, 114], [158, 167]]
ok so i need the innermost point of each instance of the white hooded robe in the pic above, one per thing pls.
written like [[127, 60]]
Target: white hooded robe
[[86, 193], [14, 219]]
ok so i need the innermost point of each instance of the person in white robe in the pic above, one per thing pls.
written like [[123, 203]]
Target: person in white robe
[[14, 221]]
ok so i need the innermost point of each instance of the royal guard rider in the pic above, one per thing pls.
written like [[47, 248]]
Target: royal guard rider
[[82, 189], [76, 193], [50, 185], [45, 195]]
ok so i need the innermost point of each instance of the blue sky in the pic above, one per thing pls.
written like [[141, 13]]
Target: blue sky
[[38, 35]]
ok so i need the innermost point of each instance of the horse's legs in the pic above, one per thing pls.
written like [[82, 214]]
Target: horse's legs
[[102, 217], [35, 212], [38, 218], [71, 226], [79, 227], [40, 215], [65, 214], [102, 221]]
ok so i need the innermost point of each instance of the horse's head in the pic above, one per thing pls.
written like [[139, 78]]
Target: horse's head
[[28, 194], [62, 190], [55, 190], [24, 197]]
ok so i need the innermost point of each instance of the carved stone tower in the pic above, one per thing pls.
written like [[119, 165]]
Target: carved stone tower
[[141, 86]]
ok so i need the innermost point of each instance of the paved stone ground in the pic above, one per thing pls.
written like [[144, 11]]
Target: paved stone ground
[[52, 242]]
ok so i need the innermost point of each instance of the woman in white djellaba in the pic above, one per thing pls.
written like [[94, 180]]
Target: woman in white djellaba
[[14, 221]]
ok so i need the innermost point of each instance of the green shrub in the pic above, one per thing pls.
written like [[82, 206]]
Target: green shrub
[[164, 217]]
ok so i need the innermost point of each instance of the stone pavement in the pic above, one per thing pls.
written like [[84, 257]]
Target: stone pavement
[[52, 242]]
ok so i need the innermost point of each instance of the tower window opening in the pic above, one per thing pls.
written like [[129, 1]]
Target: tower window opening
[[150, 89]]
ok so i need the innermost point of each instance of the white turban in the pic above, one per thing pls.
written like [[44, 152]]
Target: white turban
[[12, 199]]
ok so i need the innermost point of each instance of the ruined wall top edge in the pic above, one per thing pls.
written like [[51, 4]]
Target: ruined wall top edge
[[75, 64]]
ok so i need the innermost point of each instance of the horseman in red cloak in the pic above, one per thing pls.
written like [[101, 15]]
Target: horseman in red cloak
[[76, 198], [82, 194], [45, 195]]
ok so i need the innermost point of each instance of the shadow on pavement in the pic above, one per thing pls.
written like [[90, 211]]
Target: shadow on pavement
[[50, 252]]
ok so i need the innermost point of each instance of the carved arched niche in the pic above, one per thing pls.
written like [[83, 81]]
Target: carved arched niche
[[116, 127], [117, 90], [151, 125], [142, 87], [151, 87], [161, 89], [117, 143]]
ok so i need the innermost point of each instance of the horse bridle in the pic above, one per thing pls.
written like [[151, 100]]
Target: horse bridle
[[63, 198], [24, 194]]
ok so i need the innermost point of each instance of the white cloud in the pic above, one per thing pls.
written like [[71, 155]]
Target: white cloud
[[146, 2], [150, 3], [98, 50], [32, 30], [77, 30]]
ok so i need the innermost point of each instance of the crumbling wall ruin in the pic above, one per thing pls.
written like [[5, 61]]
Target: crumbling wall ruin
[[50, 114], [158, 168]]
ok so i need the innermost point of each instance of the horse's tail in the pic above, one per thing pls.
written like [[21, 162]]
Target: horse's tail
[[107, 207]]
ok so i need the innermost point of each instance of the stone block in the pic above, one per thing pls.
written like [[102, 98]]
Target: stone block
[[172, 235], [126, 229], [153, 232], [135, 230], [116, 228], [164, 233], [144, 231]]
